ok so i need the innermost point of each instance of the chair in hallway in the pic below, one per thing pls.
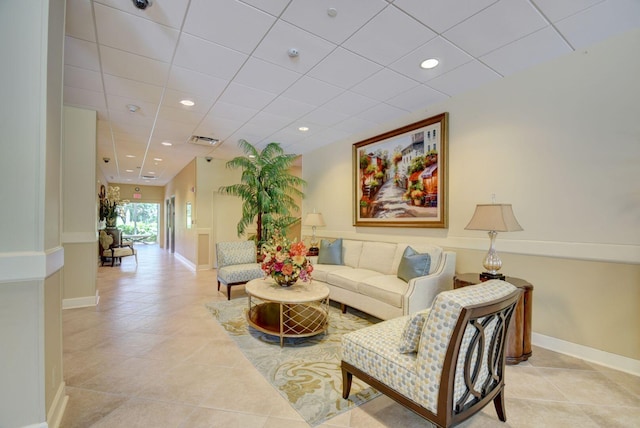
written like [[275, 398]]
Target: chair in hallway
[[445, 363], [237, 264], [112, 251]]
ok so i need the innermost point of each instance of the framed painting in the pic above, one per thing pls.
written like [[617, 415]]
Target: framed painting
[[400, 177]]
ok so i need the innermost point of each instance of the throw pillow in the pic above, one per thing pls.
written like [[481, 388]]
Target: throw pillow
[[330, 252], [410, 338], [413, 264]]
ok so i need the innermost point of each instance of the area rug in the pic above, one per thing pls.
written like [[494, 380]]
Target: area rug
[[306, 371]]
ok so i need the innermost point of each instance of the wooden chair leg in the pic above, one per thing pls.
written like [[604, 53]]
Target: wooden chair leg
[[498, 403], [343, 308], [228, 292], [218, 285], [347, 378]]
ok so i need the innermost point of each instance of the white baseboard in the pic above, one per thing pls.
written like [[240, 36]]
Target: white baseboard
[[607, 359], [56, 411], [185, 261], [40, 425], [81, 302], [204, 267]]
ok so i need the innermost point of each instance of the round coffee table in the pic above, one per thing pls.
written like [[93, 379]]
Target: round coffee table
[[301, 310]]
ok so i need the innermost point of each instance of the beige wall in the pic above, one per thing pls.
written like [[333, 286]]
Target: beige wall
[[559, 142], [183, 187]]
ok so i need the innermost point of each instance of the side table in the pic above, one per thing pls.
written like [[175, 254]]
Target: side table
[[519, 340]]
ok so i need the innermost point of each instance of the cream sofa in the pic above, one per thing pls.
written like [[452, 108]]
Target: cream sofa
[[367, 279]]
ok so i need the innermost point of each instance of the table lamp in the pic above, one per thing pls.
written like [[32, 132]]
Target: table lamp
[[494, 218], [314, 220]]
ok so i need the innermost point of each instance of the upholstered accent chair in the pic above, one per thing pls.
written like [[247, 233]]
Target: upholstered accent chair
[[112, 251], [237, 264], [444, 363]]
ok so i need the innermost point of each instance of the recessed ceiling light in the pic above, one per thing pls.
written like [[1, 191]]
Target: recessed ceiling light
[[187, 103], [157, 159], [129, 170], [132, 108], [166, 143], [151, 172], [303, 128], [429, 63], [130, 156]]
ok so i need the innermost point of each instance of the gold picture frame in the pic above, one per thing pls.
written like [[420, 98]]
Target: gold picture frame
[[400, 177]]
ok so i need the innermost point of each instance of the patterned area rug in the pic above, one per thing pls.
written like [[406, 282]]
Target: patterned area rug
[[306, 371]]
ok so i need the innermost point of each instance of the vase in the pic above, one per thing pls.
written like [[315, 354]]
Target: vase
[[284, 280], [110, 222]]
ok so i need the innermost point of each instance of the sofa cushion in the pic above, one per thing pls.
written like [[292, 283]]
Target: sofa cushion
[[385, 288], [374, 350], [320, 272], [378, 256], [349, 278], [330, 253], [413, 264], [351, 252], [410, 338], [434, 252]]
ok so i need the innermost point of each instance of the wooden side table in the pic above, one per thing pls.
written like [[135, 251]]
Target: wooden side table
[[519, 340]]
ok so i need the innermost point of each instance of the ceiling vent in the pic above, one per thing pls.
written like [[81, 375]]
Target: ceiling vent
[[149, 177], [203, 141]]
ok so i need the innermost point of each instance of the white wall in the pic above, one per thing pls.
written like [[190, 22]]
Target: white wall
[[561, 142]]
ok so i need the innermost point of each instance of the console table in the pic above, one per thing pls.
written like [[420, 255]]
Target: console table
[[519, 339]]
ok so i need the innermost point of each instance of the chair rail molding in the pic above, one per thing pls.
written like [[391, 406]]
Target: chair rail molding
[[30, 265]]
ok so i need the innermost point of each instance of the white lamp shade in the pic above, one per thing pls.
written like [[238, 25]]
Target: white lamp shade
[[498, 217], [314, 219]]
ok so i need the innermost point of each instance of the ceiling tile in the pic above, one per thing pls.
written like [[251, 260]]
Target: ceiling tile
[[193, 82], [119, 103], [287, 107], [312, 91], [449, 55], [384, 47], [283, 36], [209, 58], [81, 53], [130, 33], [344, 68], [556, 10], [273, 7], [465, 78], [169, 13], [82, 78], [355, 125], [382, 113], [82, 97], [350, 103], [130, 88], [246, 96], [218, 127], [76, 23], [265, 124], [324, 117], [313, 17], [181, 115], [135, 67], [600, 21], [229, 23], [441, 15], [384, 84], [233, 111], [490, 29], [260, 74], [417, 98], [541, 46]]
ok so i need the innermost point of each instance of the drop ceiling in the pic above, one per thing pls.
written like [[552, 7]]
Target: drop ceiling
[[354, 70]]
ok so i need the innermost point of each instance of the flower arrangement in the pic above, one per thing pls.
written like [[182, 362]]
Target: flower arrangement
[[111, 206], [285, 261]]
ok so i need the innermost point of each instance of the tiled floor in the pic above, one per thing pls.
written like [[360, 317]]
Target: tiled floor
[[150, 355]]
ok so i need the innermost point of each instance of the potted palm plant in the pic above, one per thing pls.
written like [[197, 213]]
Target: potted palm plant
[[267, 189]]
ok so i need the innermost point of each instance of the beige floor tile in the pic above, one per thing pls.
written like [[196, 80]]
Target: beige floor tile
[[613, 416], [86, 407], [213, 418], [139, 413], [528, 382]]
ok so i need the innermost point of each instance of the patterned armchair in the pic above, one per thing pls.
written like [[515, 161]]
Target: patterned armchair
[[236, 264], [111, 249], [444, 363]]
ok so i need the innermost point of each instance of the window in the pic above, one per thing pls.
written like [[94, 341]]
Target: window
[[140, 222]]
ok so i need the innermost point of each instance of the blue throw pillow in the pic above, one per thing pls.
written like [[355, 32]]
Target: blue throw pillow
[[413, 264], [330, 253]]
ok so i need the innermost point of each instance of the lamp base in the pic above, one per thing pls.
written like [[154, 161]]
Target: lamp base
[[313, 251], [485, 276]]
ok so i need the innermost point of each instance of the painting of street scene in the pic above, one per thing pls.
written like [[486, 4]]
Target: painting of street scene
[[400, 178]]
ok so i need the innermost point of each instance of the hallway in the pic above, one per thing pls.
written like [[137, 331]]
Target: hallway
[[150, 355]]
